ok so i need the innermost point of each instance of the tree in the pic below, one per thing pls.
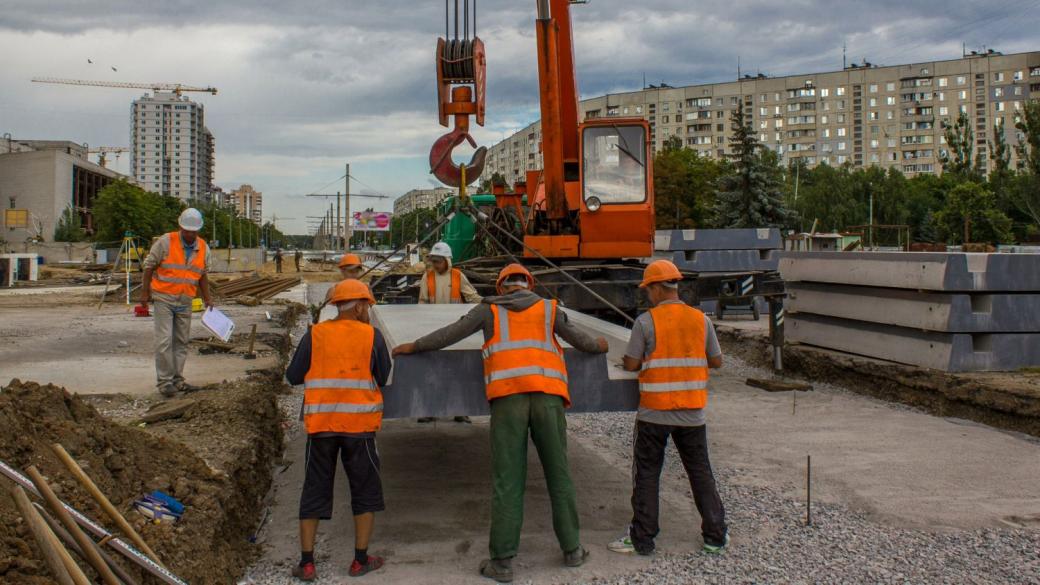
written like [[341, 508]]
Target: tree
[[121, 207], [959, 159], [684, 186], [496, 179], [69, 227], [750, 194], [969, 215], [1025, 192]]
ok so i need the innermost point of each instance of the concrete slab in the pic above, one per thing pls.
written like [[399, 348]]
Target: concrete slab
[[736, 239], [450, 381], [950, 352], [726, 260], [933, 311], [916, 270]]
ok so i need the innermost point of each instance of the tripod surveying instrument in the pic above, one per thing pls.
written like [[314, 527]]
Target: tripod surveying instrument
[[128, 253]]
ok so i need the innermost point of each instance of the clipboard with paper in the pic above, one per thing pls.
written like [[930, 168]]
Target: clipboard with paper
[[218, 324]]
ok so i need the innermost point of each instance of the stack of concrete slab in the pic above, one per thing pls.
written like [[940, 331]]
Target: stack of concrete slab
[[951, 312], [739, 250]]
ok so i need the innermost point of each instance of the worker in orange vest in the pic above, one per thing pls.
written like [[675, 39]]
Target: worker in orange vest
[[342, 364], [525, 379], [443, 284], [174, 274], [350, 268], [672, 346]]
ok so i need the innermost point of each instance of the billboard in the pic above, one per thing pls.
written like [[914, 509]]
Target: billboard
[[370, 221]]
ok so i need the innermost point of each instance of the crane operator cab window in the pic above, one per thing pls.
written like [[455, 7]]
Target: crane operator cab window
[[614, 165]]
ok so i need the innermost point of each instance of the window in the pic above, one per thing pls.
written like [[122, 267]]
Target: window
[[841, 118], [963, 95], [841, 132], [825, 92], [719, 101], [890, 86], [720, 114], [961, 80], [613, 172], [874, 115], [943, 81], [776, 110], [763, 124], [762, 98], [664, 107], [998, 92], [639, 109], [998, 76], [873, 143], [872, 88], [826, 132], [873, 102], [763, 111], [763, 137], [841, 104], [999, 106], [840, 91], [944, 111], [964, 109], [823, 119], [612, 110], [890, 100]]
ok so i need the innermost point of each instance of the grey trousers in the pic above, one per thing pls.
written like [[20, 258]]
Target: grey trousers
[[172, 333]]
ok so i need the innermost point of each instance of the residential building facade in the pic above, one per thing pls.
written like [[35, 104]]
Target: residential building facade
[[864, 115], [421, 199], [248, 203], [171, 150]]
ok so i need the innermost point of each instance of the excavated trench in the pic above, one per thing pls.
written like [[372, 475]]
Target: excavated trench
[[216, 457]]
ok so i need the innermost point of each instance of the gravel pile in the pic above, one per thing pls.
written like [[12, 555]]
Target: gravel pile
[[772, 544]]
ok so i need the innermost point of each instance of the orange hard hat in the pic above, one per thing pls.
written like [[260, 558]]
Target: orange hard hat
[[349, 260], [512, 270], [351, 290], [660, 271]]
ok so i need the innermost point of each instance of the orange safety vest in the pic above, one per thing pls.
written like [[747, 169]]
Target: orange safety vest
[[175, 276], [675, 375], [523, 355], [340, 393], [456, 285]]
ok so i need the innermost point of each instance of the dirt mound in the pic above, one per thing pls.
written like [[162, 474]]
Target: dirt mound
[[222, 494]]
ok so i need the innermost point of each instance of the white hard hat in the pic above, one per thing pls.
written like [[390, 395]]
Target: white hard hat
[[190, 219], [441, 249]]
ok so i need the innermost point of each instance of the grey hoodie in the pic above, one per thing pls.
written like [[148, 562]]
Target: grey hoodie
[[480, 318]]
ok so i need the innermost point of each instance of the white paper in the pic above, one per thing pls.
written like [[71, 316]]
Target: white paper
[[218, 324]]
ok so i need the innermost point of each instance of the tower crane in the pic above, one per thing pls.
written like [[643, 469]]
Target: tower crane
[[104, 151], [177, 88]]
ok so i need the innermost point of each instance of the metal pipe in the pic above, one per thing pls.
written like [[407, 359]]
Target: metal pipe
[[542, 9]]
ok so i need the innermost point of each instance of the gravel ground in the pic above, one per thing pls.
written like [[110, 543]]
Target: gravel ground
[[772, 544]]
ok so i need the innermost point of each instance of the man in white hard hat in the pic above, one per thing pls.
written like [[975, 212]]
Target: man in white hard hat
[[441, 285], [174, 274]]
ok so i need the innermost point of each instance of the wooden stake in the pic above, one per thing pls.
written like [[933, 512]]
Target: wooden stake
[[105, 504], [45, 539], [808, 490], [66, 539], [84, 542]]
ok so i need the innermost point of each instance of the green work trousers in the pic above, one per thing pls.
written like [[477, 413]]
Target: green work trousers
[[512, 419]]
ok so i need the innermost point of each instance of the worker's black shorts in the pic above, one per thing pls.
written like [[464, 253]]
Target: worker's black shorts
[[360, 461]]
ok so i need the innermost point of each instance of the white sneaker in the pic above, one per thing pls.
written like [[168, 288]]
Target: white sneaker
[[623, 544]]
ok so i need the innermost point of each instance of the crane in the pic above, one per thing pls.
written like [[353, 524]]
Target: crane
[[103, 151], [177, 88]]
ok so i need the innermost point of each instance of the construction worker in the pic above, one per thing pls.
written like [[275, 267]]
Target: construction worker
[[342, 363], [525, 379], [442, 285], [278, 261], [297, 257], [174, 274], [672, 346], [350, 268]]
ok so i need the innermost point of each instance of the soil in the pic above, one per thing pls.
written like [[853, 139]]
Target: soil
[[1008, 400], [216, 459]]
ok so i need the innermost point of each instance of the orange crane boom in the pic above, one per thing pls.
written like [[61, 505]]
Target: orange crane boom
[[176, 88]]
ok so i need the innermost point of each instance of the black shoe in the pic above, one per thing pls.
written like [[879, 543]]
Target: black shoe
[[426, 419], [576, 557], [188, 388], [500, 570], [463, 419], [168, 391]]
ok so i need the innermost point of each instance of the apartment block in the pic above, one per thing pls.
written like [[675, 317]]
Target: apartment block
[[864, 115], [421, 199], [172, 151], [248, 203]]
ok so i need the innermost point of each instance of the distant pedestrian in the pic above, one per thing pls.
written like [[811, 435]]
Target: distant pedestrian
[[278, 261], [672, 347], [174, 273], [297, 257]]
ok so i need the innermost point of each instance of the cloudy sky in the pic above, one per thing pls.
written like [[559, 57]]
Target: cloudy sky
[[307, 86]]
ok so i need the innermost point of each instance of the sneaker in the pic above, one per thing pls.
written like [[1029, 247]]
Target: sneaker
[[167, 391], [374, 564], [188, 388], [426, 419], [305, 572], [623, 544], [576, 557], [500, 570], [714, 549], [463, 419]]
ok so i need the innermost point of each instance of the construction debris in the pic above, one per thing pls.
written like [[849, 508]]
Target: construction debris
[[253, 290], [778, 385]]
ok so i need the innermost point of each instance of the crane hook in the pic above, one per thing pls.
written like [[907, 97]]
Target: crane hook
[[445, 169]]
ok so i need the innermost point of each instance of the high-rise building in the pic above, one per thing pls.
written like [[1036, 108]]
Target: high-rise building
[[864, 115], [171, 150], [248, 203], [421, 199]]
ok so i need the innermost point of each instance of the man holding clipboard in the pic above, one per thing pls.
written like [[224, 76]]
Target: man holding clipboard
[[174, 274]]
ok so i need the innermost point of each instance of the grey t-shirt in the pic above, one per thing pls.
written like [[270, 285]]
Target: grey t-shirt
[[642, 343]]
